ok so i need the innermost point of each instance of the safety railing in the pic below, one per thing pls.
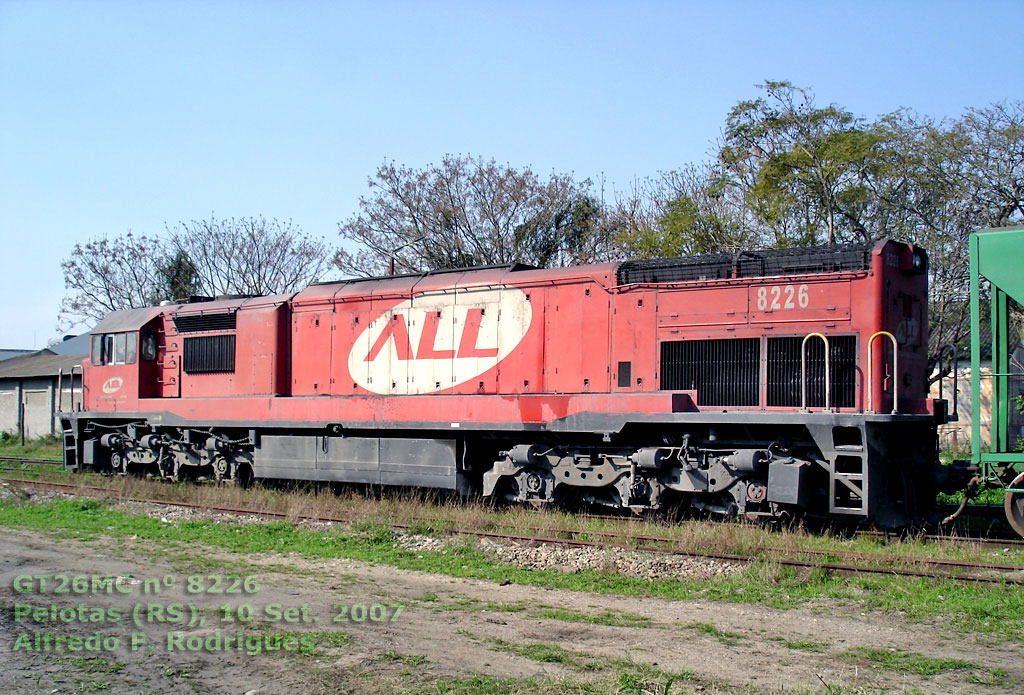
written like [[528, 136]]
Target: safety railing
[[71, 379], [803, 372], [950, 347], [895, 372]]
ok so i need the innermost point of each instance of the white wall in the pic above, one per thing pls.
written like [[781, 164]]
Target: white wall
[[39, 399]]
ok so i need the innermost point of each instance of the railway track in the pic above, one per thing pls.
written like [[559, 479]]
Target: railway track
[[23, 459], [935, 568], [993, 538]]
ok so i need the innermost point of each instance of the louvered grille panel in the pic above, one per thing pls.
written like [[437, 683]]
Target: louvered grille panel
[[767, 263], [205, 322], [784, 372], [209, 353], [724, 372]]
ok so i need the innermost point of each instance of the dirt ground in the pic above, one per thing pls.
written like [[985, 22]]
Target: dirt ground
[[446, 628]]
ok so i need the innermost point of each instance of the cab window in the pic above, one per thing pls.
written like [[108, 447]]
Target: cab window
[[130, 348], [148, 346], [114, 348]]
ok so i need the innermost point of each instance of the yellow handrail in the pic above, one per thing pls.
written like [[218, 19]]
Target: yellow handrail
[[803, 372], [895, 372]]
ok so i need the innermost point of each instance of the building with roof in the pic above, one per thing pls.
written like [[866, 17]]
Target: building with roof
[[35, 386], [8, 354]]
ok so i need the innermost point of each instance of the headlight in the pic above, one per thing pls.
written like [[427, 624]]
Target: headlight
[[919, 261]]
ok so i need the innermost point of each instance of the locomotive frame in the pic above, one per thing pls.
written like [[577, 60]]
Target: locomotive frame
[[764, 383]]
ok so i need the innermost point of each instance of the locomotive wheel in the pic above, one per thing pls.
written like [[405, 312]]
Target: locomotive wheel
[[1015, 505]]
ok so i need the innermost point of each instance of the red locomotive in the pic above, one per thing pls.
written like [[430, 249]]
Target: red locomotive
[[764, 383]]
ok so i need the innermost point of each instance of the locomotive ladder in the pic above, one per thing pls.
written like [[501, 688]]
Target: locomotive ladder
[[67, 431]]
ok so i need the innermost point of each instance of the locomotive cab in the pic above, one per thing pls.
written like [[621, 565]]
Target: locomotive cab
[[122, 360]]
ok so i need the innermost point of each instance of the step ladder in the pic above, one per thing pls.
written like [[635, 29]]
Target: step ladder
[[67, 426]]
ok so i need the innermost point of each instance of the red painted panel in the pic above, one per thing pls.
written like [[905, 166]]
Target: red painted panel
[[715, 305], [799, 300], [257, 367], [634, 332], [554, 338], [311, 351]]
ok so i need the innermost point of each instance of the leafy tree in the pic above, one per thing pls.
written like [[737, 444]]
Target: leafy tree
[[468, 211], [690, 211], [803, 168], [788, 172], [178, 277]]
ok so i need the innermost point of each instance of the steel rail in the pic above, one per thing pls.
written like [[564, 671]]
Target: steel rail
[[806, 564], [28, 459]]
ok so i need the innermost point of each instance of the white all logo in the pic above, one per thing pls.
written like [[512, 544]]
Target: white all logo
[[113, 384], [436, 341]]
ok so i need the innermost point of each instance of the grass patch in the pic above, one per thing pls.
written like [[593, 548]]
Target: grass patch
[[724, 636], [489, 685], [606, 617], [312, 643], [94, 664], [631, 677], [907, 662], [549, 654], [803, 646], [996, 677], [410, 660], [997, 610], [48, 447]]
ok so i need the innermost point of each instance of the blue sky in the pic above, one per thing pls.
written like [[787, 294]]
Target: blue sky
[[118, 116]]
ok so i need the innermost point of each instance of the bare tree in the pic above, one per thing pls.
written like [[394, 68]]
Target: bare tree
[[249, 255], [467, 211], [109, 274]]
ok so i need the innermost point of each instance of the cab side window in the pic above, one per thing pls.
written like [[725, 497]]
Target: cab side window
[[97, 350], [148, 345], [130, 348], [114, 348]]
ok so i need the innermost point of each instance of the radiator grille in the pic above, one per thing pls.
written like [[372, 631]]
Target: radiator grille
[[195, 323], [791, 261], [724, 372], [209, 353], [784, 371]]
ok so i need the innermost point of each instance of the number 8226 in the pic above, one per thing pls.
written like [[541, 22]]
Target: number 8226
[[776, 297]]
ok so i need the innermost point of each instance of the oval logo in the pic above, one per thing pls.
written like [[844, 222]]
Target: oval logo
[[113, 384], [436, 341]]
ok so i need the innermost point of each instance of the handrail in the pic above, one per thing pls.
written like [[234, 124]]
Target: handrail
[[955, 416], [71, 379], [803, 372], [895, 372]]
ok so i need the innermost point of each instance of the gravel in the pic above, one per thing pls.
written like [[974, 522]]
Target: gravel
[[630, 563]]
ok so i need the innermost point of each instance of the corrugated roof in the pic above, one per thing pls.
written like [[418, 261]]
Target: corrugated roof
[[8, 354], [38, 364], [76, 345], [129, 319]]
